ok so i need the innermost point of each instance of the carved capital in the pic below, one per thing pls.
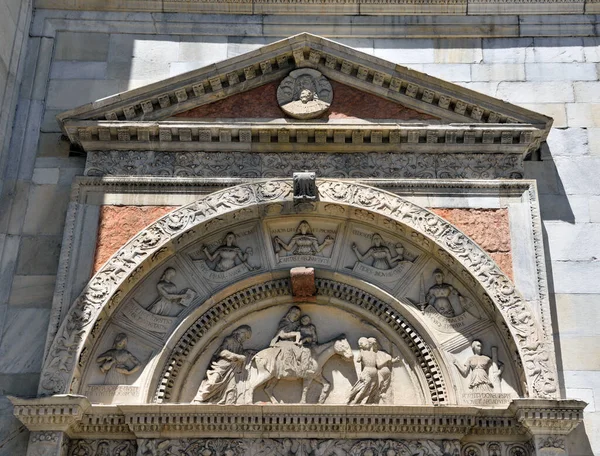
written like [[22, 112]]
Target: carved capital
[[548, 417], [54, 413]]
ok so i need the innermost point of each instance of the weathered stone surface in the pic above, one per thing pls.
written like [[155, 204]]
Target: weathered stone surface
[[497, 72], [570, 242], [65, 94], [45, 176], [579, 176], [536, 92], [555, 50], [303, 282], [118, 224], [506, 50], [405, 51], [46, 209], [560, 71], [466, 50], [583, 114], [568, 142], [32, 291], [23, 325], [347, 103], [574, 277], [78, 70], [81, 46], [556, 111], [38, 255], [587, 92]]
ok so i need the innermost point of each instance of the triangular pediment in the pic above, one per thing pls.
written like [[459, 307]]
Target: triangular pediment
[[200, 104], [348, 103]]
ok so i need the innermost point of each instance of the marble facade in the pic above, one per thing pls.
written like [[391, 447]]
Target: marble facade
[[375, 256]]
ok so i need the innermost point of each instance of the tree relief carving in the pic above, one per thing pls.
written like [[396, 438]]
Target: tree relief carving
[[151, 243]]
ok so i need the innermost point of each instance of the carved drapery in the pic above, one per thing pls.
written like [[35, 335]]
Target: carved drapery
[[160, 240]]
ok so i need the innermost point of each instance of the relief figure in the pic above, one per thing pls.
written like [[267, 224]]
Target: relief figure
[[226, 370], [384, 367], [439, 296], [117, 363], [304, 242], [380, 254], [170, 301], [295, 354], [228, 254], [366, 388], [477, 368]]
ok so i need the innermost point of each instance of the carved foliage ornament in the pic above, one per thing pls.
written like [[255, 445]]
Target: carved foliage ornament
[[103, 289]]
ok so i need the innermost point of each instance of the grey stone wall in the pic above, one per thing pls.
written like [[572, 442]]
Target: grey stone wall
[[74, 58]]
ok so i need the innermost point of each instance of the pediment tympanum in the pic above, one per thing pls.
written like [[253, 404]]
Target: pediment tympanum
[[372, 110]]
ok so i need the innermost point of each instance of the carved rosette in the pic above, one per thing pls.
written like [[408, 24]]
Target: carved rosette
[[110, 284]]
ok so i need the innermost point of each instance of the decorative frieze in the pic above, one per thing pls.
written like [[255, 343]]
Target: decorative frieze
[[356, 165]]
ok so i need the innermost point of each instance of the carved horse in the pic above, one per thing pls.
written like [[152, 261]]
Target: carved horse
[[269, 368]]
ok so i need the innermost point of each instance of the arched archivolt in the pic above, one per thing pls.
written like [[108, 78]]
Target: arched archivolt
[[161, 240]]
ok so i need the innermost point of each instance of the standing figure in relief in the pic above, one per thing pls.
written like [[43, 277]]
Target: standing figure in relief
[[226, 369], [227, 253], [439, 294], [288, 339], [366, 389], [117, 363], [304, 242], [478, 367], [384, 366], [170, 301], [382, 257]]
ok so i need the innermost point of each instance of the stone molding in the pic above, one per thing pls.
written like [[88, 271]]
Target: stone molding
[[158, 241], [325, 288], [80, 419], [331, 164], [161, 100], [354, 7], [303, 137]]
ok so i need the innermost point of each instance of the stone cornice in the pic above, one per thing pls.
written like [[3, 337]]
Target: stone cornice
[[74, 415], [162, 100], [354, 7], [303, 137]]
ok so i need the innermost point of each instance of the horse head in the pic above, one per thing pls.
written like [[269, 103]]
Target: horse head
[[342, 347]]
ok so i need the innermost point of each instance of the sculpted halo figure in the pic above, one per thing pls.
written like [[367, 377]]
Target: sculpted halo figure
[[304, 94]]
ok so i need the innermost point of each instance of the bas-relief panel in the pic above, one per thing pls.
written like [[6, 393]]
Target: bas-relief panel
[[428, 289]]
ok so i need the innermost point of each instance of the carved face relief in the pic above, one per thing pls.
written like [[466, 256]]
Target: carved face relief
[[305, 94]]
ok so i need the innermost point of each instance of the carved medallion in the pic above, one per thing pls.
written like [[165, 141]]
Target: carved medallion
[[304, 94]]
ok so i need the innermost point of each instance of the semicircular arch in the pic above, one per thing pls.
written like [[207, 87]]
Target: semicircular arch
[[164, 238]]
